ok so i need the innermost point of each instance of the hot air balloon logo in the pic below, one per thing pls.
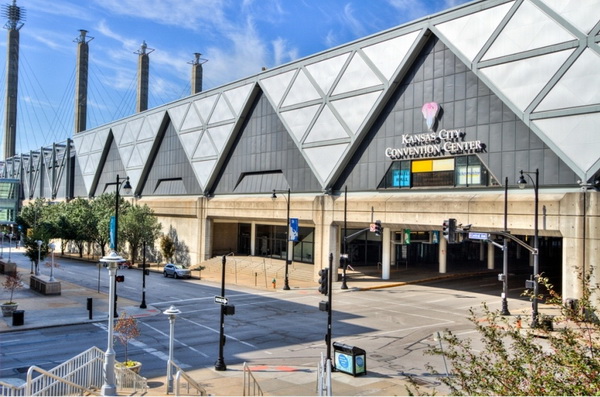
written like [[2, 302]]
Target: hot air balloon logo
[[430, 111]]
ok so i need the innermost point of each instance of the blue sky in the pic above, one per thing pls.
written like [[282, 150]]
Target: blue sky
[[237, 37]]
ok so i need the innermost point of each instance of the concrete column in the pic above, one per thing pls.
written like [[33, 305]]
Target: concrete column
[[81, 82], [143, 77], [386, 253], [253, 238], [490, 261], [393, 259], [197, 73], [443, 255], [482, 251]]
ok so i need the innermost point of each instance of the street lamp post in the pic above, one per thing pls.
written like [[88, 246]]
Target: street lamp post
[[143, 304], [115, 232], [52, 247], [522, 183], [288, 261], [109, 387], [172, 312], [505, 311], [37, 265], [344, 256], [9, 244]]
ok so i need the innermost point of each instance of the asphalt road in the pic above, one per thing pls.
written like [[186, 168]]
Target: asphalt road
[[394, 325]]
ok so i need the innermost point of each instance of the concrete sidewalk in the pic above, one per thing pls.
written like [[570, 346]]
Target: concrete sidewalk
[[70, 308]]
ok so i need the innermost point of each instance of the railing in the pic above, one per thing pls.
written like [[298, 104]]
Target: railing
[[324, 377], [251, 386], [54, 385], [84, 370], [191, 383], [82, 374], [128, 379]]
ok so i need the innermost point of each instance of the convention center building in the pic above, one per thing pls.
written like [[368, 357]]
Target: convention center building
[[427, 128]]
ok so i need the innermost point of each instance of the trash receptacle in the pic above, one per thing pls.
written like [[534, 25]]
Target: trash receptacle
[[349, 359], [18, 317]]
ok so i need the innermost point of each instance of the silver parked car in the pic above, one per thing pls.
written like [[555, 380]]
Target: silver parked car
[[176, 271]]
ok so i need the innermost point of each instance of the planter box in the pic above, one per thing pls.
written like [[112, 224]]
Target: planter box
[[42, 284], [9, 268], [8, 310]]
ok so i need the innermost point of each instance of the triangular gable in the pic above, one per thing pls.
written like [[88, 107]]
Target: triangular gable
[[215, 117], [316, 108], [487, 121], [259, 151], [135, 145], [170, 172]]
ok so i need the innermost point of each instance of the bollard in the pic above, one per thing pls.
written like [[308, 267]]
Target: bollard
[[90, 306], [274, 283]]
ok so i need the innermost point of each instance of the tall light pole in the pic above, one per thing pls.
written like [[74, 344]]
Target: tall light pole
[[288, 261], [37, 265], [143, 304], [52, 247], [505, 311], [9, 244], [344, 256], [109, 388], [536, 270], [172, 312]]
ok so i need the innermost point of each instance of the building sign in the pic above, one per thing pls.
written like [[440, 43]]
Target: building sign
[[434, 143]]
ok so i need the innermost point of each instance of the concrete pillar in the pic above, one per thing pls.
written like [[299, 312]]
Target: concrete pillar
[[81, 81], [386, 253], [482, 251], [253, 239], [490, 250], [197, 73], [143, 77], [12, 82], [443, 255]]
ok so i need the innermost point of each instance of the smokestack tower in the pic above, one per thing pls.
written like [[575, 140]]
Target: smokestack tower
[[14, 15], [81, 81], [143, 76], [197, 73]]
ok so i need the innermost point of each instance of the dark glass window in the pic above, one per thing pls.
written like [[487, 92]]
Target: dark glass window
[[453, 171]]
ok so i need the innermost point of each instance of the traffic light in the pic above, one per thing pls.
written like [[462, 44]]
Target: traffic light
[[378, 228], [451, 230], [119, 279], [445, 227], [324, 281]]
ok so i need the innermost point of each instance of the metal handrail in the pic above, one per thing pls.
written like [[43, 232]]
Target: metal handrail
[[128, 379], [251, 384], [190, 382], [60, 385]]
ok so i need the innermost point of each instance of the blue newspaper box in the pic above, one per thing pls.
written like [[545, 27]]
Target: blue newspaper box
[[349, 359]]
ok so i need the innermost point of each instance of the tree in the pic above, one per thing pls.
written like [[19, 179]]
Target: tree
[[81, 222], [12, 283], [139, 225], [167, 247], [32, 214], [33, 251], [562, 360], [126, 329], [58, 215]]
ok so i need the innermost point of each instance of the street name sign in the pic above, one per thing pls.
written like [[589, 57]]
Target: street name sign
[[220, 299], [479, 236]]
